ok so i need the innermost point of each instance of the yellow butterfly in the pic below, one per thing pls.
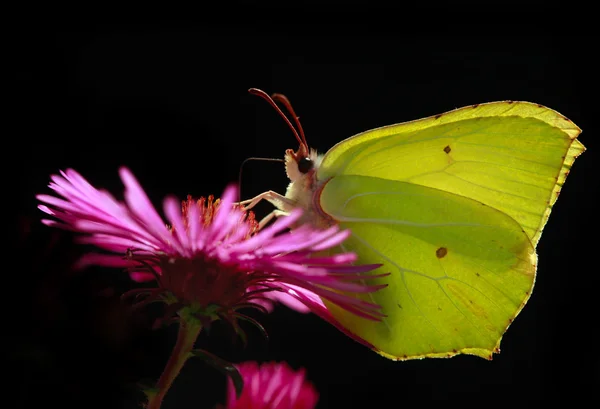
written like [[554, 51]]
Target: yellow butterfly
[[453, 205]]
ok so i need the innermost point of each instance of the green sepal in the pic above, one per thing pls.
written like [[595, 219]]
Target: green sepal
[[169, 298], [148, 389], [255, 323]]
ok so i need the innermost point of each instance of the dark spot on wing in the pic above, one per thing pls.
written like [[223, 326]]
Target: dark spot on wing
[[447, 149], [441, 252], [477, 274], [399, 306]]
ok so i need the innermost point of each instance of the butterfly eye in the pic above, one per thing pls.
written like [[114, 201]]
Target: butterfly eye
[[305, 165]]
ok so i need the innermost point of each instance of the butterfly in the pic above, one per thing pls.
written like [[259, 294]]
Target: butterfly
[[452, 205]]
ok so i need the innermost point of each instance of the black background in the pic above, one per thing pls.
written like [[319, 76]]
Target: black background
[[169, 100]]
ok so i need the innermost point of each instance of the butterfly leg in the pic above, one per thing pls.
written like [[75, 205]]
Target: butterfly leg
[[279, 201], [282, 203]]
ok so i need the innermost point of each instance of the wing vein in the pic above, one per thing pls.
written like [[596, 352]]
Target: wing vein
[[402, 271]]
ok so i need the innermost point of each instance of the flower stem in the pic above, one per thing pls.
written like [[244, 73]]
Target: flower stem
[[186, 337]]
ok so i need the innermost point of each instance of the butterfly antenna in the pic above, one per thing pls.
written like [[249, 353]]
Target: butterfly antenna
[[288, 105], [242, 167], [266, 97]]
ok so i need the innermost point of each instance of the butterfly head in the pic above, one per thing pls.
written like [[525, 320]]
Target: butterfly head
[[300, 164]]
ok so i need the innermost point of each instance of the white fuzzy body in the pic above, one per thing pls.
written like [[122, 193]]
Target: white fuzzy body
[[303, 192]]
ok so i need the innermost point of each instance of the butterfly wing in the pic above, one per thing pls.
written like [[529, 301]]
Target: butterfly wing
[[513, 156], [460, 270], [453, 206]]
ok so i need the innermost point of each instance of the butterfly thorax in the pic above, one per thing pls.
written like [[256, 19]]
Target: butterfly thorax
[[304, 189]]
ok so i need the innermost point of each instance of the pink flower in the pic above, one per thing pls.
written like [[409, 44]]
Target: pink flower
[[209, 256], [272, 386]]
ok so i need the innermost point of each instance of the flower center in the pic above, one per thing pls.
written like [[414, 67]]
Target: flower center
[[206, 212], [204, 282], [201, 280]]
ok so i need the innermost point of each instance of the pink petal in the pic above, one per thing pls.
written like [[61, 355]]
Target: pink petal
[[223, 219], [141, 277], [195, 229], [332, 241], [79, 182], [94, 206], [336, 259], [54, 223], [272, 386], [267, 233], [296, 243], [54, 201], [104, 260], [354, 305], [286, 298], [172, 210], [317, 307], [89, 201], [113, 243], [140, 205]]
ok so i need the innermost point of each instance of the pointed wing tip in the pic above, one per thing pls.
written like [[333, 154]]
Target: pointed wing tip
[[577, 147]]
